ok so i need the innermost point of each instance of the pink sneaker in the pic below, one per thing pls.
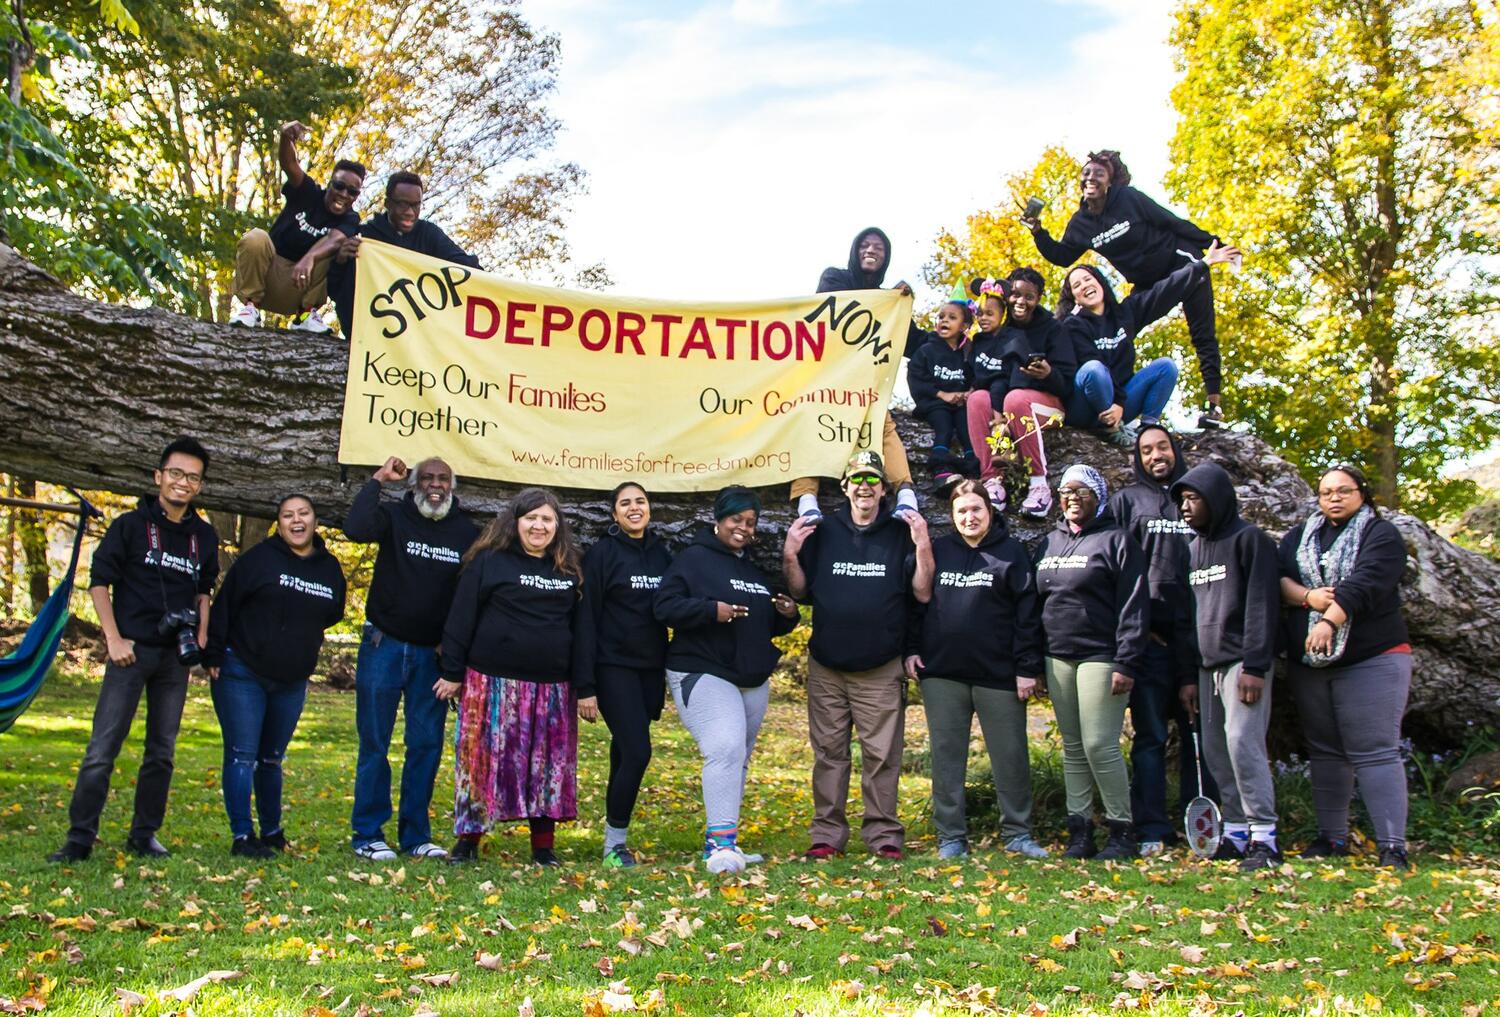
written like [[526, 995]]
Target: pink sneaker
[[995, 488], [1038, 502]]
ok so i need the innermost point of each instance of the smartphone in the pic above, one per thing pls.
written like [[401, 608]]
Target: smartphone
[[1034, 358], [1033, 208]]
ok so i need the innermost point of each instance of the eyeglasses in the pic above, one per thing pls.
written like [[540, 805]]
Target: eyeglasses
[[400, 204], [343, 188], [869, 479], [1338, 492], [1075, 493], [173, 473]]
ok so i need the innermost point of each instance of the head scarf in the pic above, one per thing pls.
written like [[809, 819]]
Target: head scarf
[[1092, 479], [733, 500]]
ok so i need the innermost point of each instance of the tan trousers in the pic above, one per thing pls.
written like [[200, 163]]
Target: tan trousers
[[892, 453], [264, 278], [837, 703]]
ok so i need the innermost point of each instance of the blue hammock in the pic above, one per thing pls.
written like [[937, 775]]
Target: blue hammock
[[22, 672]]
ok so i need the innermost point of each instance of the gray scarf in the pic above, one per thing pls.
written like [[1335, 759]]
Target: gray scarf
[[1330, 568]]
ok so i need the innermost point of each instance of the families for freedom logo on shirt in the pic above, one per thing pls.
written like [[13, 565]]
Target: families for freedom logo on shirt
[[1109, 342], [859, 569], [1063, 561], [445, 555], [175, 562], [1212, 574], [645, 582], [740, 586], [941, 373], [545, 582], [301, 585], [1169, 526], [966, 580], [1116, 231]]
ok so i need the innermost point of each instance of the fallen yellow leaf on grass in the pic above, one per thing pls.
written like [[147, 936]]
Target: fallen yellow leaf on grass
[[491, 961], [185, 993]]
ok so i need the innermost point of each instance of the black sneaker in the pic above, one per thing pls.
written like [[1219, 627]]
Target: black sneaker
[[71, 852], [1326, 847], [465, 852], [544, 857], [1229, 851], [1211, 418], [1259, 855], [1080, 838], [147, 847], [250, 847], [1394, 858], [1121, 844], [275, 841]]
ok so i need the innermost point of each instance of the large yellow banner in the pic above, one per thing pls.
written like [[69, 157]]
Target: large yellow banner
[[535, 385]]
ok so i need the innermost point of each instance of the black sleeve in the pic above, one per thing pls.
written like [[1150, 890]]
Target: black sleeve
[[1064, 361], [1119, 507], [1262, 602], [919, 377], [1133, 599], [1286, 554], [109, 557], [208, 560], [1172, 223], [915, 337], [675, 607], [367, 522], [341, 601], [442, 246], [586, 625], [1056, 251], [1028, 641], [1377, 571], [463, 619], [1147, 305], [306, 194], [348, 224], [218, 617], [831, 281]]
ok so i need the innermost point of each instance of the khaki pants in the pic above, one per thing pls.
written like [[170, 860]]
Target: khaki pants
[[264, 278], [1090, 719], [838, 702], [892, 453]]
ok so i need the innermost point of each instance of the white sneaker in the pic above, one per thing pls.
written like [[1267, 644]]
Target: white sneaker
[[995, 488], [429, 850], [1152, 848], [376, 851], [725, 860], [310, 321], [248, 316]]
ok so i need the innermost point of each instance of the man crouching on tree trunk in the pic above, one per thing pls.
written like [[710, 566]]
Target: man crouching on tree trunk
[[285, 271], [150, 581]]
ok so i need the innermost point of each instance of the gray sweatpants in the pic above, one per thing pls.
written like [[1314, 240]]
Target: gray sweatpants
[[724, 720], [1234, 747], [1351, 718], [950, 707]]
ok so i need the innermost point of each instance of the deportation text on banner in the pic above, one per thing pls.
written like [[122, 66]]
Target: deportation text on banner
[[533, 385]]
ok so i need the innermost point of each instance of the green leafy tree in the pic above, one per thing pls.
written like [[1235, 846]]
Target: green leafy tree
[[1335, 142]]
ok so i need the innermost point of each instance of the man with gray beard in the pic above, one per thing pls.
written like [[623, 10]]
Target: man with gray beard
[[422, 539]]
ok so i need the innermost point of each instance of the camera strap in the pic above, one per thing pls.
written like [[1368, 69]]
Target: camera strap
[[155, 552]]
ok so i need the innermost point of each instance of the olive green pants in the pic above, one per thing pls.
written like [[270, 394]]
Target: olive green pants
[[1090, 720]]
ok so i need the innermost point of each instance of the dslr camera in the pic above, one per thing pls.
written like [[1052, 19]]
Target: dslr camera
[[182, 626]]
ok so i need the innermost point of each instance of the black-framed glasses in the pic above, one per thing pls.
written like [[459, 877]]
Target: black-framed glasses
[[401, 204], [1339, 492], [173, 473], [350, 189]]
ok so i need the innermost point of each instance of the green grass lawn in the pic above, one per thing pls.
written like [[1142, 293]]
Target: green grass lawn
[[320, 931]]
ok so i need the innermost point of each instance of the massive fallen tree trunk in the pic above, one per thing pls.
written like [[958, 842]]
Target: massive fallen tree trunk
[[92, 391]]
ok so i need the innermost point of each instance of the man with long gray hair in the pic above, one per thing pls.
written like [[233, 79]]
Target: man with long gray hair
[[422, 538]]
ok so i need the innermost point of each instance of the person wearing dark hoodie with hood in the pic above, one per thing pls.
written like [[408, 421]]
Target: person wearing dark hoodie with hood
[[157, 561], [621, 652], [861, 569], [1147, 511], [938, 376], [421, 540], [264, 634], [1145, 243], [869, 257], [1236, 587], [723, 616], [1091, 577], [976, 646]]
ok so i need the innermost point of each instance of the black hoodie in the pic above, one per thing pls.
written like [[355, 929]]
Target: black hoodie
[[859, 582], [1096, 605], [512, 617], [616, 626], [416, 568], [741, 651], [1110, 337], [426, 237], [855, 278], [1143, 241], [1147, 510], [1234, 578], [273, 608], [983, 625], [145, 582], [996, 358], [936, 367]]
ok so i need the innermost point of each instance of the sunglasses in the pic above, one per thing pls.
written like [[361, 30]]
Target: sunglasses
[[869, 479], [343, 188]]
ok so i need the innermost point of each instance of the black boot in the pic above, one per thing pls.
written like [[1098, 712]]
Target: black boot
[[465, 852], [1080, 838], [1121, 844], [71, 852]]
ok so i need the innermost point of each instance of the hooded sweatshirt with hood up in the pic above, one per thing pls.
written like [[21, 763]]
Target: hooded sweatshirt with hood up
[[1143, 241], [1234, 577], [741, 651], [616, 626], [1096, 605], [1148, 512], [996, 358], [859, 582], [145, 581], [983, 625], [855, 278], [1109, 337]]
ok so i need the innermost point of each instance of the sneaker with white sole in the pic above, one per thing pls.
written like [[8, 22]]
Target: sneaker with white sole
[[953, 849], [248, 316], [310, 321], [1124, 436], [1026, 845], [376, 851], [725, 860], [1152, 848], [1038, 502], [429, 850], [995, 488]]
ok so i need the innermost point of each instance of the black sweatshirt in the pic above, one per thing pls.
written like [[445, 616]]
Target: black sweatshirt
[[1096, 605], [616, 626], [936, 367], [1110, 337], [1370, 594], [983, 625], [1147, 510], [273, 608], [512, 617], [1234, 578], [859, 583], [996, 358], [855, 278], [741, 651], [145, 583], [1143, 241], [425, 237], [416, 568]]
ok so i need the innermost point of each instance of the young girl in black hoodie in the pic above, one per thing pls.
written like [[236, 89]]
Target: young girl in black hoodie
[[938, 376], [264, 634], [987, 366]]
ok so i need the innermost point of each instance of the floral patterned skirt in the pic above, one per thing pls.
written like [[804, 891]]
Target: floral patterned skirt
[[515, 752]]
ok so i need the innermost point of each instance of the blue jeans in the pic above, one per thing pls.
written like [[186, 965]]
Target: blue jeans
[[1146, 393], [1154, 703], [257, 718], [386, 671]]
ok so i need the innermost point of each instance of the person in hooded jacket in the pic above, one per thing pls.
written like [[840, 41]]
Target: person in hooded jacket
[[869, 257], [1108, 391], [1023, 375], [1091, 578], [1145, 243], [1349, 660], [421, 540], [977, 649], [1236, 588], [621, 652], [264, 634], [1147, 511], [861, 570], [938, 376], [723, 616]]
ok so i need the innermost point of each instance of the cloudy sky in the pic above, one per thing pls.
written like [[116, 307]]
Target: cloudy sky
[[735, 146]]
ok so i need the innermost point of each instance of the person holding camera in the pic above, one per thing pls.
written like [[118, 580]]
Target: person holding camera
[[151, 577], [264, 634]]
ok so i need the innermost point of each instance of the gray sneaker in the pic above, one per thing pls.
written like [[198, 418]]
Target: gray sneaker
[[376, 851], [1026, 845], [953, 849], [1124, 436]]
